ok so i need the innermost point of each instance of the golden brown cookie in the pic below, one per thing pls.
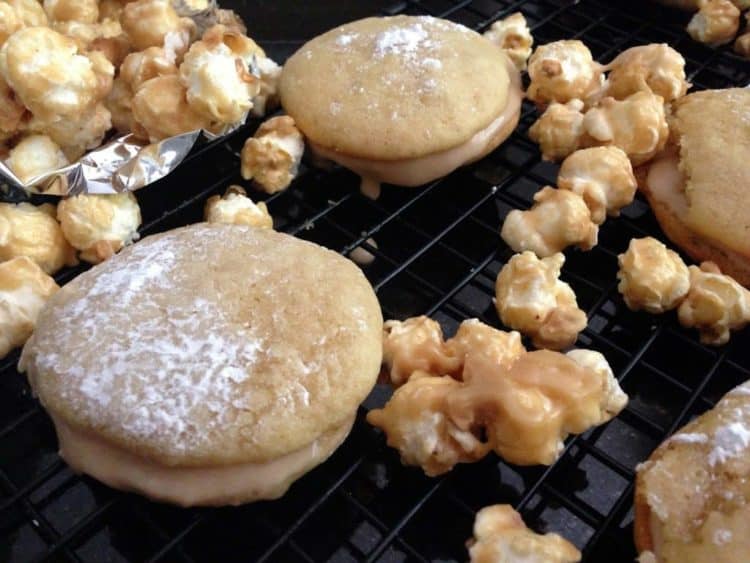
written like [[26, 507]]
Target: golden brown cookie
[[698, 187], [213, 363], [381, 95], [691, 499]]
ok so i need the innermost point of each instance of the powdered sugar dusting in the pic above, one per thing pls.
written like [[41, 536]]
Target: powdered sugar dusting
[[346, 39], [415, 43], [722, 536], [729, 441], [688, 438], [202, 343], [197, 356], [743, 389], [404, 41]]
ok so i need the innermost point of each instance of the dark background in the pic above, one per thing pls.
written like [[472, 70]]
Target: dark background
[[284, 23], [438, 254]]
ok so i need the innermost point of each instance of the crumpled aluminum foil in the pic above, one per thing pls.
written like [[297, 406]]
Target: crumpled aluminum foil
[[125, 163]]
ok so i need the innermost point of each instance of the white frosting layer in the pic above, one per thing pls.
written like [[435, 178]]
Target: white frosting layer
[[666, 182], [418, 171], [192, 486]]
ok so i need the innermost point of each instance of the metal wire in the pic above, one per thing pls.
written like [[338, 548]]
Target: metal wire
[[436, 252]]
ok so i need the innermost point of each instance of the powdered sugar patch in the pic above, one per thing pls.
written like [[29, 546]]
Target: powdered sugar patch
[[729, 441], [722, 536], [346, 39], [411, 43], [433, 64], [170, 378], [743, 389], [401, 40], [694, 438]]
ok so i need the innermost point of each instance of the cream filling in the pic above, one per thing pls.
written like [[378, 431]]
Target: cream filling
[[420, 170], [666, 182], [192, 486]]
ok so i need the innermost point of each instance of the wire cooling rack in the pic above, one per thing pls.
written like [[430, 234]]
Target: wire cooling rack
[[438, 252]]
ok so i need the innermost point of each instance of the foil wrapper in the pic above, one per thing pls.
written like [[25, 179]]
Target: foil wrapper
[[125, 163]]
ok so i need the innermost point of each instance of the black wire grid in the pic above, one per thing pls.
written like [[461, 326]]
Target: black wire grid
[[438, 253]]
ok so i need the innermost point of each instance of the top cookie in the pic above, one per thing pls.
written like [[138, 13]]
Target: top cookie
[[209, 345], [713, 130], [395, 88]]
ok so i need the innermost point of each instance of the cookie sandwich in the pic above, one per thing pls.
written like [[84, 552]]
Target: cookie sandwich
[[402, 100], [209, 365]]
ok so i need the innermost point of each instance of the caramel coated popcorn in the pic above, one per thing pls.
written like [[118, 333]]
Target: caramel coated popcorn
[[603, 177], [500, 536], [716, 23], [32, 231], [99, 225], [84, 11], [272, 156], [531, 298], [149, 22], [160, 110], [234, 207], [522, 412], [416, 345], [637, 125], [655, 68], [559, 130], [24, 289], [219, 83], [454, 407], [416, 424], [35, 155], [563, 71], [48, 74], [652, 277], [512, 35], [558, 219], [715, 304]]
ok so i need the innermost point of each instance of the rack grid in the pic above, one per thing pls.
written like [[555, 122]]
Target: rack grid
[[437, 252]]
